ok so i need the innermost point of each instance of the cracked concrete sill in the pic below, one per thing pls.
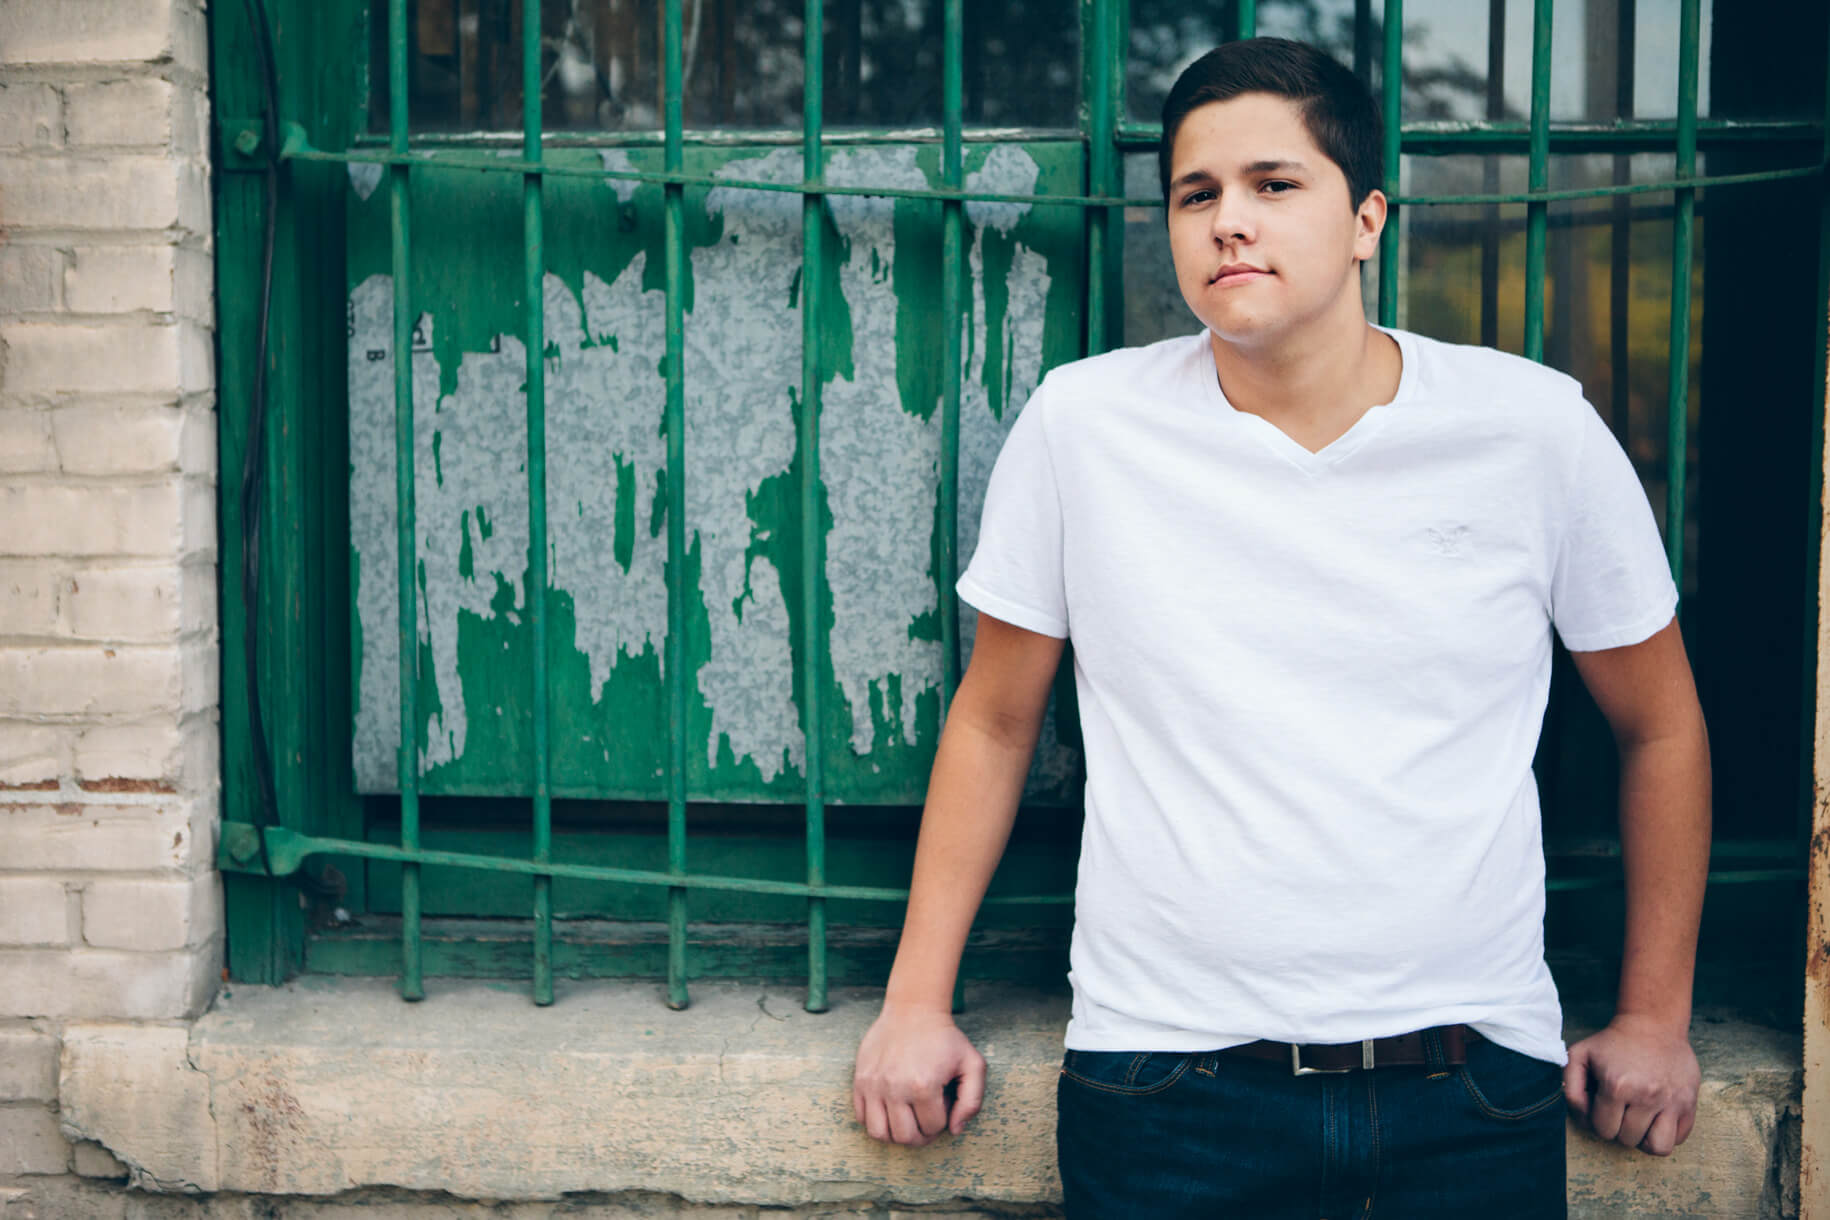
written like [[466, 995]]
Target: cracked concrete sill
[[327, 1086]]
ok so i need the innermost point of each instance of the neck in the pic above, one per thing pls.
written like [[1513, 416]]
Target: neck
[[1318, 379]]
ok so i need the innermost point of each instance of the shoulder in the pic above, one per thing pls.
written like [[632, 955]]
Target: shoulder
[[1122, 373], [1481, 374], [1497, 392]]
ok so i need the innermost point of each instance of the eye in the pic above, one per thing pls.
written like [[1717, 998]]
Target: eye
[[1194, 197], [1278, 186]]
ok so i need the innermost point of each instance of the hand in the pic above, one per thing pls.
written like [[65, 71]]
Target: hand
[[906, 1061], [1645, 1080]]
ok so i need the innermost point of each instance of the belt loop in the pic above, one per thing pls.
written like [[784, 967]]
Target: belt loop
[[1435, 1062]]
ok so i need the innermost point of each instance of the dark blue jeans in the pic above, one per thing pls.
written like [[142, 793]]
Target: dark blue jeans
[[1169, 1136]]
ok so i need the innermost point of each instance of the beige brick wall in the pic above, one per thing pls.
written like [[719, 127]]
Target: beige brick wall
[[110, 906]]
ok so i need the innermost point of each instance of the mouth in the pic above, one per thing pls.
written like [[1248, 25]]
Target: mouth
[[1237, 273]]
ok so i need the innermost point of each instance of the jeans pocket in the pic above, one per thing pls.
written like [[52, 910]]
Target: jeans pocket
[[1126, 1073], [1508, 1086]]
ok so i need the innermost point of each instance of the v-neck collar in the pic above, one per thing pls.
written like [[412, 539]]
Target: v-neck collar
[[1341, 447]]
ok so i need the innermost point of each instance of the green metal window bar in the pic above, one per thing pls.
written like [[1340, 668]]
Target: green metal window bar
[[281, 851]]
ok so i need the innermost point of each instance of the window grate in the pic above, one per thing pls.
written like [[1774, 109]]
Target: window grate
[[1107, 136]]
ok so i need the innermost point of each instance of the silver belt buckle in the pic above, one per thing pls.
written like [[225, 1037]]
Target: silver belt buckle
[[1297, 1068]]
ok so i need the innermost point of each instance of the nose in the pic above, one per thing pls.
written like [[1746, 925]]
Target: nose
[[1232, 219]]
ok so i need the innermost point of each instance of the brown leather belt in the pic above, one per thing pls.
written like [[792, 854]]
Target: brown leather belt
[[1400, 1050]]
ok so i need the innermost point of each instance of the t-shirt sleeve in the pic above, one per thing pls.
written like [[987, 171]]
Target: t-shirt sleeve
[[1612, 582], [1016, 570]]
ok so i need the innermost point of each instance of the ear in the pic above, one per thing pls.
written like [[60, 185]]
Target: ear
[[1369, 222]]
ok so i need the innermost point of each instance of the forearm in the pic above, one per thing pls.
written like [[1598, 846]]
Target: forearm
[[972, 802], [1664, 838]]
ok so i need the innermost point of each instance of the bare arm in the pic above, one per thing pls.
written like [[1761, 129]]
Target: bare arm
[[1641, 1068], [914, 1050]]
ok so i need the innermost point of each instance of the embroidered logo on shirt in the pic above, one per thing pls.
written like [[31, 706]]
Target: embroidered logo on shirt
[[1448, 540]]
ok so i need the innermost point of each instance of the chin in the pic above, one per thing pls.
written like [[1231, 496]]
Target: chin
[[1243, 332]]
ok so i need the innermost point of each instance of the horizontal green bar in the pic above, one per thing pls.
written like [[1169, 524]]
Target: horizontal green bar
[[239, 846], [481, 164], [1626, 188], [1452, 137], [1742, 876], [738, 137], [1721, 850], [1426, 137], [498, 165], [287, 849]]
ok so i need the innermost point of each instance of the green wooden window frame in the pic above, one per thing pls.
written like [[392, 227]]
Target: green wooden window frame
[[309, 137]]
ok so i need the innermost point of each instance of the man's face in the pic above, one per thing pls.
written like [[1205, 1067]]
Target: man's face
[[1263, 234]]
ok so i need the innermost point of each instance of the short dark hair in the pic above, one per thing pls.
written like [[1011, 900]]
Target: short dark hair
[[1337, 108]]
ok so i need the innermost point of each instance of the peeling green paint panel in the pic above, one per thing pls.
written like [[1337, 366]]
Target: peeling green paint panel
[[878, 605]]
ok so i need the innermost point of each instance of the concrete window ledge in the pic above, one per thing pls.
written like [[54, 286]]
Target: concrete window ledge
[[335, 1087]]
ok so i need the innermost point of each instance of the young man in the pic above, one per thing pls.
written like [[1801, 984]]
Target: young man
[[1311, 569]]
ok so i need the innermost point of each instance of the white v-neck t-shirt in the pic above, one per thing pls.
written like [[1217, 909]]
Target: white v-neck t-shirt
[[1311, 685]]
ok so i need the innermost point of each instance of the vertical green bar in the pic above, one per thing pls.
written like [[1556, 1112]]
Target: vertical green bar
[[1620, 252], [1102, 157], [675, 258], [534, 232], [1537, 213], [411, 985], [813, 559], [1490, 176], [1362, 40], [1392, 88], [1118, 31], [1677, 403], [952, 282], [952, 285], [1245, 23]]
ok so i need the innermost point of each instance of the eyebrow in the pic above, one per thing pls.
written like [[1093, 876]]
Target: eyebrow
[[1275, 167], [1255, 167]]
